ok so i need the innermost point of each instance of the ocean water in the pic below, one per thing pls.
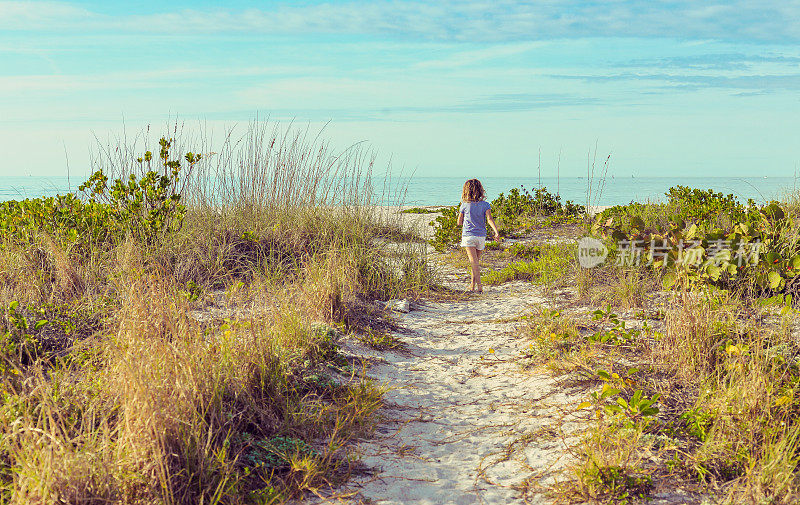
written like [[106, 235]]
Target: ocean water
[[611, 191], [447, 190], [21, 187]]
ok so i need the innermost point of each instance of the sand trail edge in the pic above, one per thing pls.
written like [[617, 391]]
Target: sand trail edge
[[462, 421]]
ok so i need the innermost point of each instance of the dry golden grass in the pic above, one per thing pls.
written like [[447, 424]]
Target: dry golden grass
[[135, 398], [725, 368]]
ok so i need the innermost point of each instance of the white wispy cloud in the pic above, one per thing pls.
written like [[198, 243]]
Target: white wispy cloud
[[479, 56], [139, 80], [668, 82], [43, 15], [472, 20], [725, 61], [394, 96]]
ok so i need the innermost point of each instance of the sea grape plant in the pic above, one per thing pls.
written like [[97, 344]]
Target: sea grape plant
[[759, 254], [520, 204], [147, 207]]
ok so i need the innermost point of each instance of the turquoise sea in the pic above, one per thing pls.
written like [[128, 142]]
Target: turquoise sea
[[611, 191], [447, 190]]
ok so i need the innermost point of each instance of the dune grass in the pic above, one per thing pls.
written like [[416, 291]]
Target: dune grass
[[548, 264], [121, 384], [704, 398]]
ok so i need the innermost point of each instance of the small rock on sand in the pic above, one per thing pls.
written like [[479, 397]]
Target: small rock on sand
[[399, 305]]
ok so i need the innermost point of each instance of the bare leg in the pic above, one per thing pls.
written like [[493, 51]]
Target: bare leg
[[478, 262], [473, 254]]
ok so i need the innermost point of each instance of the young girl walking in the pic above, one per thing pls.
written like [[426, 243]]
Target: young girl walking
[[473, 215]]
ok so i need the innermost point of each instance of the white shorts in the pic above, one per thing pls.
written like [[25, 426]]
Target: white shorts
[[478, 243]]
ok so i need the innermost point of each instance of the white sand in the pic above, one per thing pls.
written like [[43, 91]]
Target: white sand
[[454, 408], [593, 210], [461, 424]]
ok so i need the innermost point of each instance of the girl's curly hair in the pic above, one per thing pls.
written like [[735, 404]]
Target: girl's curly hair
[[473, 191]]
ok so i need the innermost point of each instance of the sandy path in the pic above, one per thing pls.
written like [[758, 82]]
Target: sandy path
[[454, 408]]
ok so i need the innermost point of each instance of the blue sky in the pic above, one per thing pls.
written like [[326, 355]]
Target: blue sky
[[467, 88]]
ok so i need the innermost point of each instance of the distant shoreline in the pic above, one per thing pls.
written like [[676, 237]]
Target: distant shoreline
[[592, 210], [433, 191]]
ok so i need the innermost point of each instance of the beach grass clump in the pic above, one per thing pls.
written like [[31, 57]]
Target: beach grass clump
[[379, 339], [165, 408], [550, 263], [182, 352], [554, 339], [618, 286], [708, 401], [613, 467], [419, 210], [741, 420]]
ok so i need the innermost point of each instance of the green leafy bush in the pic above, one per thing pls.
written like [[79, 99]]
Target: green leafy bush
[[446, 232], [63, 217], [705, 208], [707, 205], [509, 210], [520, 205], [147, 207], [758, 256]]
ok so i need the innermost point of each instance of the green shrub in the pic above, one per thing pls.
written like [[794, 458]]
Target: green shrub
[[707, 205], [757, 256], [64, 217], [521, 206], [446, 232], [147, 207], [509, 210], [705, 208]]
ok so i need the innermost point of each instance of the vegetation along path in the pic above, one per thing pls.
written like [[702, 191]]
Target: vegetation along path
[[463, 423]]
